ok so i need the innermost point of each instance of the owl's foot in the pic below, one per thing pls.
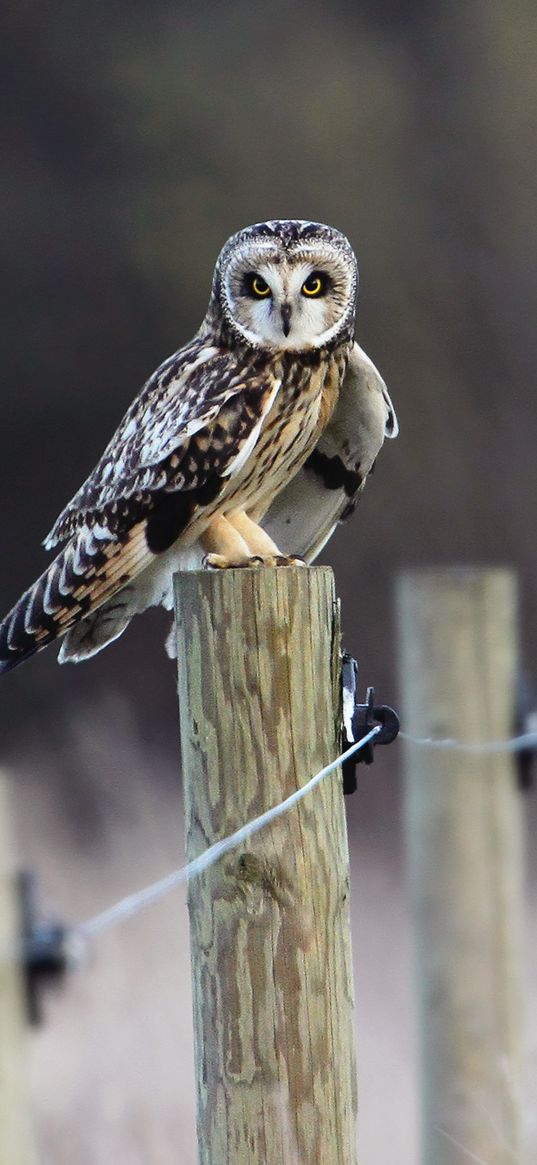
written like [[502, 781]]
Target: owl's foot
[[220, 562], [238, 542]]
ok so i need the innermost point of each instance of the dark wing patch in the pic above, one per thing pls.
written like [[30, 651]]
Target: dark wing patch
[[172, 513], [333, 472]]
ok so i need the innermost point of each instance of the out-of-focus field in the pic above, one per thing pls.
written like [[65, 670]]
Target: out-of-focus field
[[137, 138]]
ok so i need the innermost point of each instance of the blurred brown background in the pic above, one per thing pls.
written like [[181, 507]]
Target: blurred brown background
[[138, 137]]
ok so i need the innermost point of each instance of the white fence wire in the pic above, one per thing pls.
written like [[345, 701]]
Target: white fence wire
[[129, 906], [133, 903]]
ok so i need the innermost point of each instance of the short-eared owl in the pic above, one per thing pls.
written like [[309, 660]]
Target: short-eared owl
[[247, 445]]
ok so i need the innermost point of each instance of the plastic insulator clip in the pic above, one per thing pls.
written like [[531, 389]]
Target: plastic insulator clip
[[359, 719], [44, 947]]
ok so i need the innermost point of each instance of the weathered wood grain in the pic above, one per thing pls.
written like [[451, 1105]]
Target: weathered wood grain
[[271, 959], [458, 655]]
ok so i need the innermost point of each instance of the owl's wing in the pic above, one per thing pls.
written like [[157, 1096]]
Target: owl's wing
[[171, 439], [325, 491], [191, 428], [300, 520]]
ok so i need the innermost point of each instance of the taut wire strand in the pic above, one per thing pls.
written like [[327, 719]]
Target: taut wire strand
[[133, 903], [515, 744]]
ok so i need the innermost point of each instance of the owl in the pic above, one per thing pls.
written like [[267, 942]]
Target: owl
[[244, 448]]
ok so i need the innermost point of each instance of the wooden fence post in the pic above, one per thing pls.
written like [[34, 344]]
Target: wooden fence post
[[258, 661], [16, 1145], [458, 659]]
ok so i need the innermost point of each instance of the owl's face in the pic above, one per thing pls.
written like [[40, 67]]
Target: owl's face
[[288, 284]]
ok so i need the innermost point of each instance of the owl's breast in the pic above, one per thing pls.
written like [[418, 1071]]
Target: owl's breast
[[299, 414]]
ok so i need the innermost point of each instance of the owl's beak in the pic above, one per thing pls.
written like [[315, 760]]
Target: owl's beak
[[286, 318]]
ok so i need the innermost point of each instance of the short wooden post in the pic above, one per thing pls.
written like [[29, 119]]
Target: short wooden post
[[271, 959], [458, 659], [16, 1146]]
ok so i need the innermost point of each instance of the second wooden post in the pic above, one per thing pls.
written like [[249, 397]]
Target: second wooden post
[[458, 641], [271, 960], [16, 1139]]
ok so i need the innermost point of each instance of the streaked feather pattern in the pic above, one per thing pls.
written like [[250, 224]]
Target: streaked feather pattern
[[153, 447], [235, 421]]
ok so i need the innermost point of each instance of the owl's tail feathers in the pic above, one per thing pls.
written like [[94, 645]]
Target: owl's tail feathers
[[95, 631], [87, 573]]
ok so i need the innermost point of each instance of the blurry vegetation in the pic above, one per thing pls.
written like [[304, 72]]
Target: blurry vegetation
[[139, 136]]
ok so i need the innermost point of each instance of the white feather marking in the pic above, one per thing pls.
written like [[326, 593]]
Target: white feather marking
[[242, 456], [103, 534], [48, 605], [199, 423], [205, 355], [28, 616], [13, 642], [63, 585], [130, 430], [82, 546]]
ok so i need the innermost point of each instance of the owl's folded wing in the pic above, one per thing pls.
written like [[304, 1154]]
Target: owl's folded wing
[[197, 417], [325, 491], [302, 517]]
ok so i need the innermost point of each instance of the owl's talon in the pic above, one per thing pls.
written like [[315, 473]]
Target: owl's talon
[[220, 562]]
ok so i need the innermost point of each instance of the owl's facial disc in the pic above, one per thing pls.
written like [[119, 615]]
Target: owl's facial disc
[[295, 298]]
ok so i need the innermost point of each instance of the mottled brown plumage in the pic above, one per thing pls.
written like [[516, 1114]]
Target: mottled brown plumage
[[218, 431]]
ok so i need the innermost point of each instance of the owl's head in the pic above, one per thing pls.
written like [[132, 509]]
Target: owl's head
[[287, 284]]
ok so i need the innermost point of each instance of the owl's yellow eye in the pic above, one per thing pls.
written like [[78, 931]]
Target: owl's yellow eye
[[314, 285], [259, 287]]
